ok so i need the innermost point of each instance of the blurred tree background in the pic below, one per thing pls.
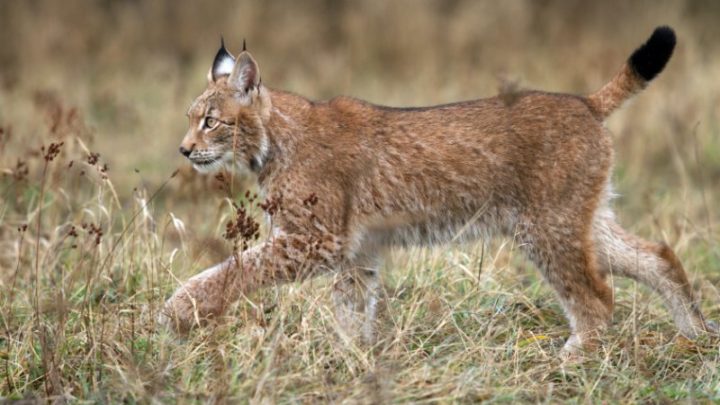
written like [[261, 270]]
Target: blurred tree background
[[130, 69]]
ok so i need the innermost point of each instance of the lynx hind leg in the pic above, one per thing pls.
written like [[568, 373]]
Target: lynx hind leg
[[652, 264], [355, 298], [567, 262]]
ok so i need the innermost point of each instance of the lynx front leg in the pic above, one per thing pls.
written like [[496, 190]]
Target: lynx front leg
[[280, 259], [355, 299], [308, 237]]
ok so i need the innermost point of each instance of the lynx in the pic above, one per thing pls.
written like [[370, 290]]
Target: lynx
[[530, 165]]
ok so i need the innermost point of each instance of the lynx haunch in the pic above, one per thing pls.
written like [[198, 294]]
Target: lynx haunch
[[534, 166]]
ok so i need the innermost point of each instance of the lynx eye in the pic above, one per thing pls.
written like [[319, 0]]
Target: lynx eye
[[211, 122]]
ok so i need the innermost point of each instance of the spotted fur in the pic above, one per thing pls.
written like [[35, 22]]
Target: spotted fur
[[534, 166]]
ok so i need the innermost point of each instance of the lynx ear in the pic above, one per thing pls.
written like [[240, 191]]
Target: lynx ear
[[245, 75], [223, 63]]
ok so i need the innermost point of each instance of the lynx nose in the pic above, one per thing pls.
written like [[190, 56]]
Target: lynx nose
[[185, 152]]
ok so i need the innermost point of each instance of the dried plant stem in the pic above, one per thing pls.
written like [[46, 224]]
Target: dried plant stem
[[37, 277]]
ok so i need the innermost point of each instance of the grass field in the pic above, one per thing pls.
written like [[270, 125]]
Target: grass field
[[97, 232]]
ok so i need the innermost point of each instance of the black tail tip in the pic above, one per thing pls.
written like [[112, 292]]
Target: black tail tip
[[653, 55]]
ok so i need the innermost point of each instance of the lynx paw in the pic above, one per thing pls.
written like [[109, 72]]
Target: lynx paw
[[573, 349], [179, 312]]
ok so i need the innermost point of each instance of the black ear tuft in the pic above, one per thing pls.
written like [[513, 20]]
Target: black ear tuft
[[223, 63], [651, 58], [244, 47]]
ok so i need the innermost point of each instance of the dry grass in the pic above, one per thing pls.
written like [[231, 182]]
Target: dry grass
[[88, 253]]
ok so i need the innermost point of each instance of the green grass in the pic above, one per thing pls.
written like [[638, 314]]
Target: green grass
[[453, 330]]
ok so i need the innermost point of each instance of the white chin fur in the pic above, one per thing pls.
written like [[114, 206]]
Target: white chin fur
[[225, 162]]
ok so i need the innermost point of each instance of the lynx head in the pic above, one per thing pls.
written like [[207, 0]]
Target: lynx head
[[227, 121]]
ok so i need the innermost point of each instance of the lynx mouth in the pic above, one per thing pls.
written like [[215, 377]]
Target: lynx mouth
[[207, 165], [201, 162]]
